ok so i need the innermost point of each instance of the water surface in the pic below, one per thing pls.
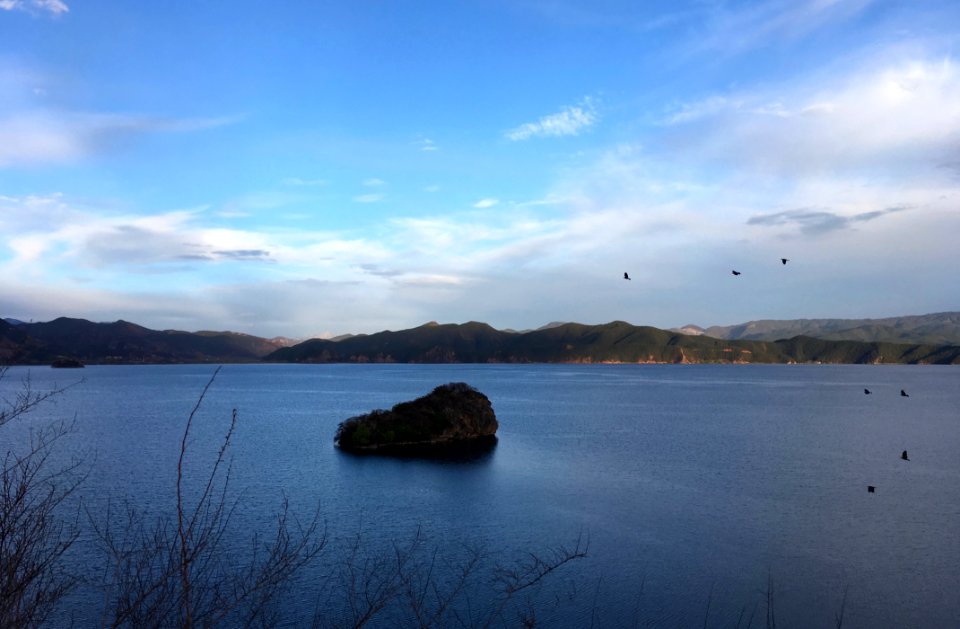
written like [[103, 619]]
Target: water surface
[[693, 483]]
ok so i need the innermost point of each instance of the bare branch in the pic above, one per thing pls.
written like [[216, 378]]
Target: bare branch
[[34, 534], [180, 574]]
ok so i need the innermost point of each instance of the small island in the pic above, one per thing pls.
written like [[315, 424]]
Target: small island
[[452, 415], [64, 362]]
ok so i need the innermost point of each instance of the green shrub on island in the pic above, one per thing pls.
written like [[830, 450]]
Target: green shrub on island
[[450, 414]]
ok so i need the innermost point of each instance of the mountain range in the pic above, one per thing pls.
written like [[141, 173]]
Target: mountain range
[[122, 342], [942, 328], [615, 342]]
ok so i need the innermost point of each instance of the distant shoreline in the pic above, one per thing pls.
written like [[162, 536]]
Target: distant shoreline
[[616, 342]]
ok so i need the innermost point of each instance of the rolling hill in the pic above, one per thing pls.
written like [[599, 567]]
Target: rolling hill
[[124, 342], [615, 342], [942, 328]]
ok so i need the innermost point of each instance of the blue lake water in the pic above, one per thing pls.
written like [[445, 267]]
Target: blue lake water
[[695, 484]]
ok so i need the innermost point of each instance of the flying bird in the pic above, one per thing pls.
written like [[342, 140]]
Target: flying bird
[[871, 489], [625, 276], [866, 391], [784, 260], [735, 272], [903, 393], [904, 456]]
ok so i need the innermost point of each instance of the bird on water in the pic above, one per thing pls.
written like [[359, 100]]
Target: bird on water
[[784, 260], [735, 272], [904, 456], [903, 393], [866, 391], [626, 276], [871, 489]]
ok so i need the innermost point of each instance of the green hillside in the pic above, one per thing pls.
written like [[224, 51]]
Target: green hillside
[[124, 342], [615, 342]]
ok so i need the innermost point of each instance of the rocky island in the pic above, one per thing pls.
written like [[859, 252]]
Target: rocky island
[[451, 416]]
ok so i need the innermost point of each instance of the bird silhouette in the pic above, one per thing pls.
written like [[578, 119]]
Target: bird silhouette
[[735, 272], [784, 260], [871, 489], [904, 456], [866, 391], [625, 276], [903, 393]]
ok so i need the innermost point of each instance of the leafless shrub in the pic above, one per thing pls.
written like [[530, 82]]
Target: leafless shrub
[[415, 585], [180, 572], [34, 532]]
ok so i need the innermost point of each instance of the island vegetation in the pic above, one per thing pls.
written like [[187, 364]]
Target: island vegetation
[[452, 415]]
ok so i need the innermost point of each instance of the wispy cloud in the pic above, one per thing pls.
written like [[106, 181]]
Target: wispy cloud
[[900, 115], [568, 121], [373, 182], [47, 236], [243, 254], [426, 144], [67, 238], [297, 181], [688, 112], [735, 28], [376, 269], [233, 213], [50, 136], [814, 221], [486, 203], [369, 198], [438, 267], [52, 7], [256, 201]]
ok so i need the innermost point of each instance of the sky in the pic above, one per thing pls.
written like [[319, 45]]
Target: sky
[[325, 167]]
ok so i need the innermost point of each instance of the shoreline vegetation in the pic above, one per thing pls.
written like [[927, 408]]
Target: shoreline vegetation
[[616, 342]]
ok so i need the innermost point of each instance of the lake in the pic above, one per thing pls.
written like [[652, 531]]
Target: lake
[[695, 485]]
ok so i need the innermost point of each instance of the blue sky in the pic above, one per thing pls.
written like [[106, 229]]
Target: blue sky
[[308, 168]]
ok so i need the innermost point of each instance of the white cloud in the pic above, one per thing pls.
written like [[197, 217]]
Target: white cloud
[[815, 221], [53, 7], [568, 121], [623, 213], [750, 25], [432, 188], [257, 201], [46, 238], [811, 170], [369, 198], [427, 144], [233, 213], [373, 182], [297, 181], [688, 112], [884, 119], [50, 136], [44, 232]]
